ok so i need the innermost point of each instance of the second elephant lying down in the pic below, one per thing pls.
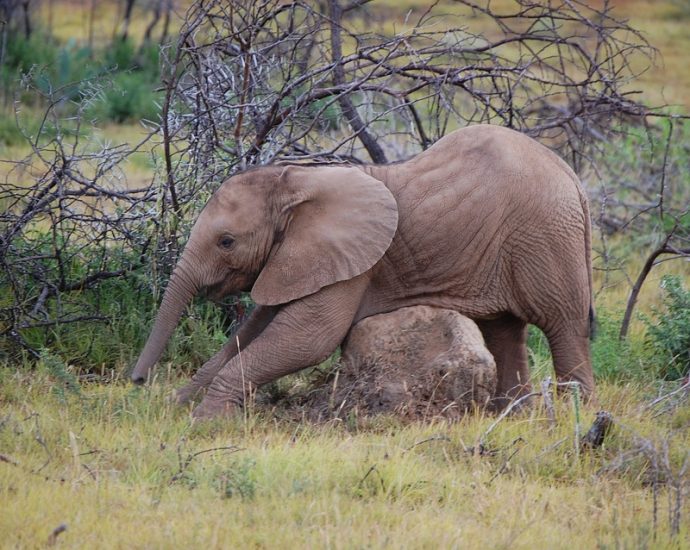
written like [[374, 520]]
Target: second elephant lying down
[[486, 222]]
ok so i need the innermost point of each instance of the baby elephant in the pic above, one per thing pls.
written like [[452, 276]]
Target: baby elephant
[[486, 222]]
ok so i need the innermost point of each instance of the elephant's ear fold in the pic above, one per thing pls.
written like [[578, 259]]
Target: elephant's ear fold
[[340, 223]]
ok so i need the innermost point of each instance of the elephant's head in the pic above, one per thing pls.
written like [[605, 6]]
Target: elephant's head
[[283, 232]]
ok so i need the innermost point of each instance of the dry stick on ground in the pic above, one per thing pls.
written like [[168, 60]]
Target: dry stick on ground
[[596, 434], [372, 470], [659, 468], [547, 396], [683, 392], [8, 460], [594, 437], [506, 462], [427, 440], [481, 440], [55, 533]]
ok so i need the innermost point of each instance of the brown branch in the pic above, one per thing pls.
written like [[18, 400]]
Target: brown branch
[[349, 110]]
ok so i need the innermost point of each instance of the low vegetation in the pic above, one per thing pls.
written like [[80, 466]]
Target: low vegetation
[[120, 466]]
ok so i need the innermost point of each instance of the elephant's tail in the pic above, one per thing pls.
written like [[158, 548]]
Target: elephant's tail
[[588, 258]]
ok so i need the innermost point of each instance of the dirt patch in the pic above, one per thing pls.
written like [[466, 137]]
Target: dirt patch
[[415, 363]]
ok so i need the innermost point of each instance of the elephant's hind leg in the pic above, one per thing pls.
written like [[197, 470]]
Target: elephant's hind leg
[[569, 343], [506, 339]]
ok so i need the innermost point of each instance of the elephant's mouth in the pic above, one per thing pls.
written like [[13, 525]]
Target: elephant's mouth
[[216, 292], [233, 285]]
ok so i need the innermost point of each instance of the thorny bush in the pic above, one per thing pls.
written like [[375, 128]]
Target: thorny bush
[[249, 83]]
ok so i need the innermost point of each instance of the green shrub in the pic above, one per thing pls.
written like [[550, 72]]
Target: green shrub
[[614, 359], [239, 480], [64, 379], [70, 70], [120, 55], [668, 332], [129, 97], [128, 309], [9, 131], [23, 53], [118, 312], [123, 56], [66, 70], [148, 60]]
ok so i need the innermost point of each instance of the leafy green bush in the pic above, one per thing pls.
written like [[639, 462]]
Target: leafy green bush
[[127, 308], [120, 55], [67, 68], [117, 313], [71, 69], [23, 53], [668, 333], [130, 96], [614, 359], [9, 131]]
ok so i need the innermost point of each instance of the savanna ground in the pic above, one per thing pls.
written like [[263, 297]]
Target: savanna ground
[[86, 460]]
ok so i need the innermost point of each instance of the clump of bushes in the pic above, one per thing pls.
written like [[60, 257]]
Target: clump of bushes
[[668, 331], [128, 97], [613, 359], [72, 69], [117, 317], [10, 133]]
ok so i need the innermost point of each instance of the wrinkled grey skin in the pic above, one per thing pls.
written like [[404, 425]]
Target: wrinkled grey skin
[[486, 222]]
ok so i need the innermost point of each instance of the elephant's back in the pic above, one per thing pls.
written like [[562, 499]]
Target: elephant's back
[[479, 170], [467, 204]]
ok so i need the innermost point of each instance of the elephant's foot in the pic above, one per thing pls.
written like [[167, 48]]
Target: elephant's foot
[[519, 398], [519, 404], [214, 408]]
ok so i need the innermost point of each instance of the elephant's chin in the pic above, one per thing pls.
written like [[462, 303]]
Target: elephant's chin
[[232, 286]]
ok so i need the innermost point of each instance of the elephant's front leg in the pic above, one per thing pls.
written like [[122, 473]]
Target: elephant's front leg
[[303, 333], [257, 321]]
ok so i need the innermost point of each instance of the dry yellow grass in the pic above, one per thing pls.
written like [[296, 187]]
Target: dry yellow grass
[[113, 465]]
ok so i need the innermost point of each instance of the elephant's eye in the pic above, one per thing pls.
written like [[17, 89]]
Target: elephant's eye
[[226, 241]]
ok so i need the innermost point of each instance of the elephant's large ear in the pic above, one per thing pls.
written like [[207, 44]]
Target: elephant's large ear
[[341, 223]]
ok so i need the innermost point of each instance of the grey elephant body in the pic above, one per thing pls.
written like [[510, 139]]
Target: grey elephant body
[[500, 218], [486, 222]]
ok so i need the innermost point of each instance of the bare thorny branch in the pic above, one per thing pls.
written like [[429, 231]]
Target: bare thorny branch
[[67, 224], [268, 80], [249, 83]]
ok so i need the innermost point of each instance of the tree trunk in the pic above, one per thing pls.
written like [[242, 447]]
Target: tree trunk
[[156, 18], [166, 21], [129, 5], [92, 17], [347, 107], [27, 19]]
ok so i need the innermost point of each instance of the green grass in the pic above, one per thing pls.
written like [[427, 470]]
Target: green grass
[[122, 467]]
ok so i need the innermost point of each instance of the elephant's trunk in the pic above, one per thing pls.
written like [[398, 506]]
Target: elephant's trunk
[[178, 294]]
